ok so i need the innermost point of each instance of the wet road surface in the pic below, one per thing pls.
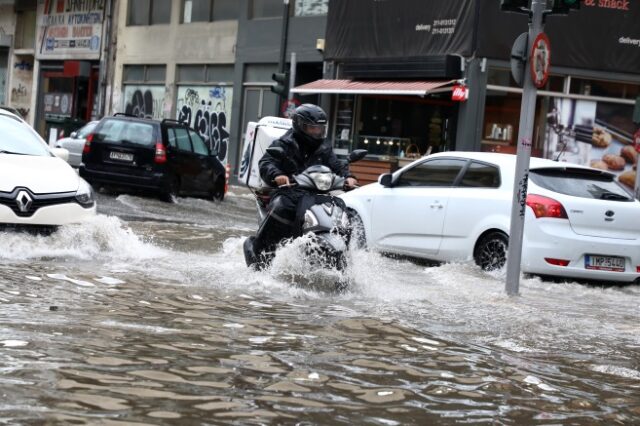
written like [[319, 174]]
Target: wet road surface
[[148, 315]]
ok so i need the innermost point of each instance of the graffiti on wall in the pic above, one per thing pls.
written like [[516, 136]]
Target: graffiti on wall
[[144, 101], [311, 7], [21, 83], [207, 110]]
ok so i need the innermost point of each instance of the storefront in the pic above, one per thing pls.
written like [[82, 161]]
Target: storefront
[[68, 52], [590, 96], [585, 113]]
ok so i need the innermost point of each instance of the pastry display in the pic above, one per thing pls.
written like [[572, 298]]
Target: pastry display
[[628, 178], [599, 164], [630, 154], [614, 162], [600, 138]]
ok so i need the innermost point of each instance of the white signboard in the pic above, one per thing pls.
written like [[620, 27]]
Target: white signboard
[[69, 29]]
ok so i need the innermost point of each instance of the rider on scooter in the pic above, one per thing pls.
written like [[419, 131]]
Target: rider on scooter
[[305, 146]]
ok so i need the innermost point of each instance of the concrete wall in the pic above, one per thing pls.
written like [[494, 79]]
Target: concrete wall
[[170, 44]]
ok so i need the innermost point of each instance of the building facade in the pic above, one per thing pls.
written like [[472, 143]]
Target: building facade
[[396, 64]]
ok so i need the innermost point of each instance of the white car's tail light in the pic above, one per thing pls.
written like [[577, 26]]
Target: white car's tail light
[[546, 207], [557, 262]]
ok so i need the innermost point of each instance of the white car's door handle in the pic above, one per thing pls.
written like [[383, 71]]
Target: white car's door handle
[[436, 205]]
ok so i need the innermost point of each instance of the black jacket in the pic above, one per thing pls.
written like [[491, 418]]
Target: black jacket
[[271, 167]]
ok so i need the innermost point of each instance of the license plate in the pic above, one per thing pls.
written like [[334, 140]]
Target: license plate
[[604, 263], [122, 156]]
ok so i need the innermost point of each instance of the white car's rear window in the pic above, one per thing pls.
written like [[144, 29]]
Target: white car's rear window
[[583, 183]]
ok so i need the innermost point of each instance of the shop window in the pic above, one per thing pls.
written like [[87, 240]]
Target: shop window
[[144, 74], [259, 73], [396, 126], [25, 33], [209, 10], [344, 123], [311, 7], [607, 89], [502, 77], [149, 12], [220, 74], [266, 8]]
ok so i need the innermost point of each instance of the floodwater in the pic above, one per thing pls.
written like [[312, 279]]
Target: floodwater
[[148, 316]]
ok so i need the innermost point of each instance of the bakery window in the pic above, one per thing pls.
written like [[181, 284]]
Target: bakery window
[[607, 89], [405, 126]]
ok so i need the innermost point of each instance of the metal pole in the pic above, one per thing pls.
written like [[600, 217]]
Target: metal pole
[[283, 46], [525, 134], [292, 75]]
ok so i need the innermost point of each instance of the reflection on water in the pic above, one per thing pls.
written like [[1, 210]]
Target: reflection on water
[[148, 321]]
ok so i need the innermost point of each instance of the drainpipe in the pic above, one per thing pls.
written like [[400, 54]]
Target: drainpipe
[[104, 60]]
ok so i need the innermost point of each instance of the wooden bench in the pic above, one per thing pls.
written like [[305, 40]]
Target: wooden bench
[[368, 171]]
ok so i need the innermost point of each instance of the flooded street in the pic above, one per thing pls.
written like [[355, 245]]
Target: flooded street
[[149, 316]]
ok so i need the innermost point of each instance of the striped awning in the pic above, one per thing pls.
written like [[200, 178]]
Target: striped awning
[[374, 87]]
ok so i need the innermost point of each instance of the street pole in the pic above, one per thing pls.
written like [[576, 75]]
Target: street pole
[[525, 135], [283, 46]]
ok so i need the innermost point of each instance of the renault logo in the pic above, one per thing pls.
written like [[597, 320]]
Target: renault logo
[[24, 201]]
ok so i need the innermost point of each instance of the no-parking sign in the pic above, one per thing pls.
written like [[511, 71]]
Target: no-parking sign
[[540, 60]]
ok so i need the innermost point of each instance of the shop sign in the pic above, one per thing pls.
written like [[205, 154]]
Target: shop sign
[[540, 60], [69, 29], [460, 93], [363, 29], [58, 104]]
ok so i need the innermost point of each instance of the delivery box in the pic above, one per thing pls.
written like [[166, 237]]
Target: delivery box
[[257, 139]]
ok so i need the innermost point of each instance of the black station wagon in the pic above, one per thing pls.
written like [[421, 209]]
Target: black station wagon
[[165, 157]]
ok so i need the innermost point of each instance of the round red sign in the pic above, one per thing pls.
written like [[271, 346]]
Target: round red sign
[[540, 60]]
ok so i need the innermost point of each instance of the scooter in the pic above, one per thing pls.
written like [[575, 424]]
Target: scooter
[[325, 219]]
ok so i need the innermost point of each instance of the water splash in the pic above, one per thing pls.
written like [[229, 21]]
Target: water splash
[[103, 237]]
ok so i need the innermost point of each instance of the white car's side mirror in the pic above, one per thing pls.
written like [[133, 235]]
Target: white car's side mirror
[[62, 153], [73, 135]]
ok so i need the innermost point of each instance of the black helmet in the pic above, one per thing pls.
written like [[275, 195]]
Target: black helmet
[[310, 122]]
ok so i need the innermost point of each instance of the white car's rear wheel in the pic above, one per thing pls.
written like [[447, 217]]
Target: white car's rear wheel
[[491, 251]]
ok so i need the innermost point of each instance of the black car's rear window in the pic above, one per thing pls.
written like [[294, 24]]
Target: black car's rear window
[[583, 183], [120, 131]]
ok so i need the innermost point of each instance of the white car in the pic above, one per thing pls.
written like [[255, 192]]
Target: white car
[[75, 143], [455, 206], [36, 186]]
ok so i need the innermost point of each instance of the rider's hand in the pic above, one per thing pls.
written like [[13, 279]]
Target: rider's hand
[[351, 182], [281, 180]]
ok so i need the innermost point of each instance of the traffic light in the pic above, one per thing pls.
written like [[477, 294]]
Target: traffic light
[[281, 88], [514, 5], [563, 7]]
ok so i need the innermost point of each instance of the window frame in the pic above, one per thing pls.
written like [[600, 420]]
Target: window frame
[[148, 21], [465, 162], [145, 74], [210, 18]]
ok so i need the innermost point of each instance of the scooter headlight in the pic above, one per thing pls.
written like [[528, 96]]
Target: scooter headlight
[[322, 180], [310, 220]]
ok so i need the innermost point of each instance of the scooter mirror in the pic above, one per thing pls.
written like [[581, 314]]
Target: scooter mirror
[[357, 155]]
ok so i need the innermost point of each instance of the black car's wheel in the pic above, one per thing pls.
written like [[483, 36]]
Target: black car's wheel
[[491, 251], [172, 190], [217, 193]]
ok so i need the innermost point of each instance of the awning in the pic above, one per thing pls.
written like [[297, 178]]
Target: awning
[[374, 87]]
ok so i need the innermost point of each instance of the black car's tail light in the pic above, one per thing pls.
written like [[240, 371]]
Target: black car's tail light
[[161, 154], [87, 144]]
